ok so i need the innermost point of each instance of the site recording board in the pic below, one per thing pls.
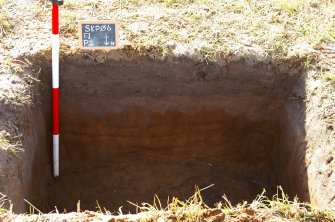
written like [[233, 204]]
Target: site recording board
[[98, 35]]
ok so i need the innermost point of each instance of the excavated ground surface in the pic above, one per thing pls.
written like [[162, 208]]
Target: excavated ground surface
[[140, 128]]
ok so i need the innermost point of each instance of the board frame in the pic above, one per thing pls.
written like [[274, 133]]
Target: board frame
[[106, 48]]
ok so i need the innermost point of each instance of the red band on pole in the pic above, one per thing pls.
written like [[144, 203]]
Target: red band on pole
[[55, 19], [55, 111]]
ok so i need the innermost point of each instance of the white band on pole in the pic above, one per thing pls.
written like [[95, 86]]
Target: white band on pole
[[56, 155], [55, 61]]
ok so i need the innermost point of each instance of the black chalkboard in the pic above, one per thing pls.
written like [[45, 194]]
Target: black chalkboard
[[98, 35]]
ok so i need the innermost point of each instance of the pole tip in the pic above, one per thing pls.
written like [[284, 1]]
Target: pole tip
[[57, 2]]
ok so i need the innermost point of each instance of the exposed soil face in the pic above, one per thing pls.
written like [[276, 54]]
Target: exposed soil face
[[137, 147], [130, 130]]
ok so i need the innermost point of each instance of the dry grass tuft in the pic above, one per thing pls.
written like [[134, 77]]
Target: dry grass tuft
[[280, 205], [5, 204], [11, 139], [176, 209], [279, 208]]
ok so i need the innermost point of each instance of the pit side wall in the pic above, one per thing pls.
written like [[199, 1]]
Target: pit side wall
[[289, 157], [36, 167], [320, 145], [24, 174]]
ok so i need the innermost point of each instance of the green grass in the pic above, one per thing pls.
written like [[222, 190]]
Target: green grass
[[69, 22], [329, 76], [4, 23]]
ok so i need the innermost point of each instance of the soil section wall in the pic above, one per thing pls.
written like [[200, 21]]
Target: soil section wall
[[133, 129], [140, 128]]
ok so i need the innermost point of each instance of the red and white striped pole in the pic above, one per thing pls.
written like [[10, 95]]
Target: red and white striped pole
[[55, 85]]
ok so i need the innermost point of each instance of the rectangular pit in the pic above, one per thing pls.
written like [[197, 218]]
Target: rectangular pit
[[130, 130]]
